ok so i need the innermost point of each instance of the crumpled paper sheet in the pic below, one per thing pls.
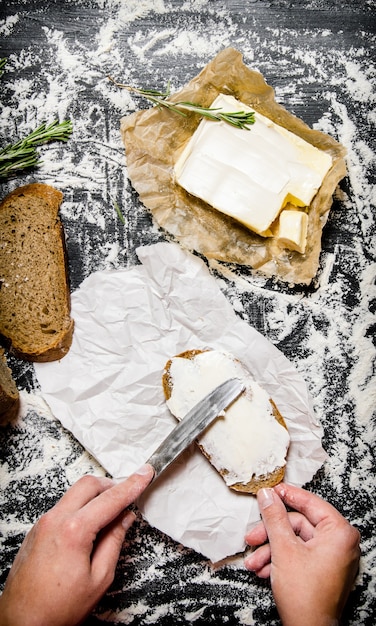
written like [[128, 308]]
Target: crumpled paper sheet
[[153, 140], [107, 390]]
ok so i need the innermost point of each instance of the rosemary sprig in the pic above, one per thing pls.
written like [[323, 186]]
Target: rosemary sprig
[[23, 153], [118, 211], [239, 119]]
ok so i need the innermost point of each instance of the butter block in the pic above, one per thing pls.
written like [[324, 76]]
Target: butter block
[[292, 231], [250, 175]]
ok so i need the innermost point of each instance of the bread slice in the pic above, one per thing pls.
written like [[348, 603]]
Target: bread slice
[[34, 293], [248, 443], [9, 395]]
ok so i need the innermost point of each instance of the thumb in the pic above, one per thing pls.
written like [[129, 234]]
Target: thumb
[[275, 518]]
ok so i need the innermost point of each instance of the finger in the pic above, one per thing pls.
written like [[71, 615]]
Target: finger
[[301, 526], [311, 506], [257, 535], [258, 559], [84, 490], [107, 549], [100, 512], [275, 518], [127, 520], [264, 572]]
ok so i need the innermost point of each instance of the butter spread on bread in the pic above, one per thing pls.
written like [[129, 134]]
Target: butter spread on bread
[[34, 294], [248, 443], [250, 175]]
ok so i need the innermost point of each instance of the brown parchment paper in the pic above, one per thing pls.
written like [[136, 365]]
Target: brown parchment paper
[[153, 139]]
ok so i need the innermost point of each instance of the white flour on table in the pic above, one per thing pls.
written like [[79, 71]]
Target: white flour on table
[[324, 331]]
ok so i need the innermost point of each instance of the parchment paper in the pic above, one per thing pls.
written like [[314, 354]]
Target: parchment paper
[[153, 140], [107, 390]]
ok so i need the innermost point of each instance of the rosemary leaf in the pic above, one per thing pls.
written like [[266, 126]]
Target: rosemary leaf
[[9, 167], [118, 211], [23, 153], [3, 62]]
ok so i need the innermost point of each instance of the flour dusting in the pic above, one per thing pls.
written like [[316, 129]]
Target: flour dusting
[[58, 64]]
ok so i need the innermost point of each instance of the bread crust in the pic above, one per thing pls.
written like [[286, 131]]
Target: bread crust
[[9, 394], [55, 342], [256, 482]]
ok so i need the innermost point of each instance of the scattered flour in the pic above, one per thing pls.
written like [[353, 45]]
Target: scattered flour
[[7, 25], [326, 333]]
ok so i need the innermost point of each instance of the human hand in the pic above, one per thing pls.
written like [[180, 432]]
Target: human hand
[[68, 559], [312, 556]]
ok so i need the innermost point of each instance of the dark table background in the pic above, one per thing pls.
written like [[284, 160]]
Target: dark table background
[[320, 58]]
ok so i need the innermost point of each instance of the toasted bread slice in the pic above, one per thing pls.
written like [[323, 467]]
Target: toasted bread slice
[[9, 394], [34, 293], [249, 443]]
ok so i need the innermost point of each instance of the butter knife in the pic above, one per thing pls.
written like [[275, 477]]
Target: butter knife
[[194, 423]]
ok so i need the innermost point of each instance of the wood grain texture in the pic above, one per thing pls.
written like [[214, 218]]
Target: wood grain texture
[[319, 57]]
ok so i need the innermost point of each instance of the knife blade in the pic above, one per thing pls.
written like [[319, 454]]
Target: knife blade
[[194, 423]]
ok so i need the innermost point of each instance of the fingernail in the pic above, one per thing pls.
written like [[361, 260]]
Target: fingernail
[[280, 489], [248, 564], [143, 470], [265, 498], [128, 520]]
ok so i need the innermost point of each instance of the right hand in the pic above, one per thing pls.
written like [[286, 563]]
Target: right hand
[[312, 556]]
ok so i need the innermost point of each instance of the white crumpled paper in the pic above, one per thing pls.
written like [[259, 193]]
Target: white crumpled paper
[[107, 390]]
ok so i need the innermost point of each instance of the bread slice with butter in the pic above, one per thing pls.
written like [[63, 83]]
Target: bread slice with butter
[[35, 319], [248, 444]]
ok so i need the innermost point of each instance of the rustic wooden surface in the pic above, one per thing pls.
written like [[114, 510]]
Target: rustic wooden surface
[[320, 58]]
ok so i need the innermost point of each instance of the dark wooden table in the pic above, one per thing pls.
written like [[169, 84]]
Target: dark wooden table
[[320, 58]]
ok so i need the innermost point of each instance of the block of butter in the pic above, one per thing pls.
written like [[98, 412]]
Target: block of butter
[[252, 174], [292, 230]]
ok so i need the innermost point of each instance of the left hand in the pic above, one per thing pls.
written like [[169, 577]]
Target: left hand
[[68, 559]]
